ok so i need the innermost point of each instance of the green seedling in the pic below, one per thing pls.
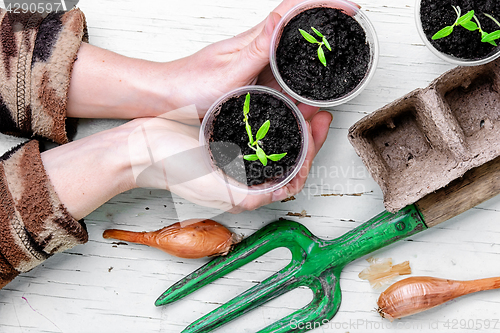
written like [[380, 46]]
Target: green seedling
[[466, 22], [462, 20], [483, 33], [311, 39], [255, 144], [492, 36]]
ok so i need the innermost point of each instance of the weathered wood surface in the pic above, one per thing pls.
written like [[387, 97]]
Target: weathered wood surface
[[476, 185], [102, 287]]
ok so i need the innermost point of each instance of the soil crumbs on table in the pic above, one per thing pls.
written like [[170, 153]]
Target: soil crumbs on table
[[347, 63], [283, 137], [461, 43]]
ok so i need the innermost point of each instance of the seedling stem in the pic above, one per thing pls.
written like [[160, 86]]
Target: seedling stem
[[255, 144]]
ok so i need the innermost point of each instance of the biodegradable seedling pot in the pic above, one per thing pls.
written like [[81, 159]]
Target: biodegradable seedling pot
[[428, 138], [229, 150], [347, 67], [462, 46]]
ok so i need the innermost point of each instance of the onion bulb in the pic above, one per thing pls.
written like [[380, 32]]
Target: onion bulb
[[190, 239], [416, 294]]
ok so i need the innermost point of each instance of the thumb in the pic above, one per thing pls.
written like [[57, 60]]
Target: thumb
[[258, 50]]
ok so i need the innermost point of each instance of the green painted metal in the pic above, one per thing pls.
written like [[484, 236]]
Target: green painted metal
[[315, 263]]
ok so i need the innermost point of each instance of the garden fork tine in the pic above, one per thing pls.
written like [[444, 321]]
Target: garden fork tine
[[322, 308], [258, 244], [272, 287]]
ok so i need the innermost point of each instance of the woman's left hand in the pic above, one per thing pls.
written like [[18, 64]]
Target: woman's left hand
[[166, 154]]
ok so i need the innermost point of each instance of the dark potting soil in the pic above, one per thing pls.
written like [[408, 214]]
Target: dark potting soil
[[283, 136], [462, 43], [347, 63]]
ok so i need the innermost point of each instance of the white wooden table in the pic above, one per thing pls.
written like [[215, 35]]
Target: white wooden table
[[104, 287]]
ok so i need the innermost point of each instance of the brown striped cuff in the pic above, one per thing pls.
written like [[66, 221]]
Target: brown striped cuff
[[33, 222], [37, 53]]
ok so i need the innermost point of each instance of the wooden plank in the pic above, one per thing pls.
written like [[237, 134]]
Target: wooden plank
[[474, 187]]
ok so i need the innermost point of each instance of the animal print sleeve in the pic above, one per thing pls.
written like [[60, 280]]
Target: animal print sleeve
[[34, 224], [37, 52]]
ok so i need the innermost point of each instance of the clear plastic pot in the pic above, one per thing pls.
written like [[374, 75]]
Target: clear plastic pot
[[348, 8], [447, 57], [270, 185]]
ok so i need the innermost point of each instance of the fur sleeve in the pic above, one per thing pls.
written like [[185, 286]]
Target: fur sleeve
[[37, 52], [34, 224]]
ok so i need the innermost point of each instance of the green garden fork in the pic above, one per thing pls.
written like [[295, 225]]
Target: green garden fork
[[317, 263]]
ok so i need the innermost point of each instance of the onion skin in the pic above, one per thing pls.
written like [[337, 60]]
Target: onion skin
[[189, 239], [416, 294], [382, 271]]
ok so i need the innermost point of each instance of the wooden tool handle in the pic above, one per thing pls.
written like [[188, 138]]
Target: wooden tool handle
[[476, 185]]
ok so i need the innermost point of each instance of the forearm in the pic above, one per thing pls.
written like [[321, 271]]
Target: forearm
[[105, 84], [88, 172]]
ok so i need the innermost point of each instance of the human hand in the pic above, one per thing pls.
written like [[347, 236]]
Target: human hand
[[105, 84], [205, 76], [166, 154]]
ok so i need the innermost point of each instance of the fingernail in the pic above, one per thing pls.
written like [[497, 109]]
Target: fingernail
[[355, 4], [269, 24], [280, 194], [276, 195]]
